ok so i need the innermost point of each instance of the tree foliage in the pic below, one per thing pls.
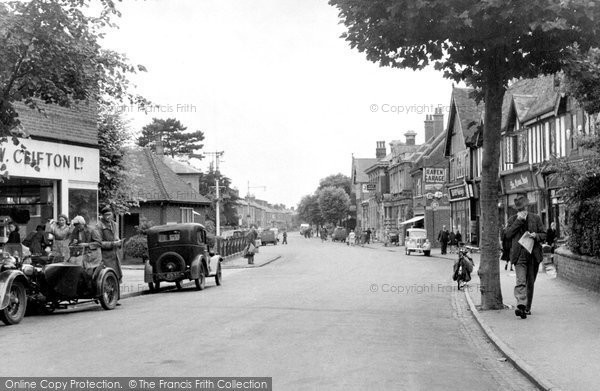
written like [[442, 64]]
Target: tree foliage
[[485, 43], [50, 53], [228, 196], [334, 204], [337, 180], [309, 211], [172, 133], [114, 188]]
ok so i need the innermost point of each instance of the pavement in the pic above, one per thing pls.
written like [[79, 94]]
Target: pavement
[[558, 346], [133, 275]]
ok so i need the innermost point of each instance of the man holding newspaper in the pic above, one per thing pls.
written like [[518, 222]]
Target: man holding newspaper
[[526, 232]]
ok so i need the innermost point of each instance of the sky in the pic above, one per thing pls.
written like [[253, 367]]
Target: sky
[[272, 84]]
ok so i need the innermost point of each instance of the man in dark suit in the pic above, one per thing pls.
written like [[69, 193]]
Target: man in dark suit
[[443, 238], [528, 225]]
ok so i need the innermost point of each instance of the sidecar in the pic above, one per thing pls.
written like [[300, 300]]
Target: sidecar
[[60, 284]]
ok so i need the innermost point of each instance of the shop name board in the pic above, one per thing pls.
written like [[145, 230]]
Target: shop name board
[[519, 182], [435, 175], [50, 160], [42, 159], [460, 192], [369, 187]]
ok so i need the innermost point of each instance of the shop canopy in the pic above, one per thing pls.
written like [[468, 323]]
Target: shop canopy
[[413, 220]]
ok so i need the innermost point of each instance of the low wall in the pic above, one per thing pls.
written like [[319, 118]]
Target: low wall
[[581, 270]]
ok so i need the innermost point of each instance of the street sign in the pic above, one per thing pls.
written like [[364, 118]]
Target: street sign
[[369, 187], [438, 194]]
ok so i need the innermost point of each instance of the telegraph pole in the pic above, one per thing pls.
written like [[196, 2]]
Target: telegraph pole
[[217, 155]]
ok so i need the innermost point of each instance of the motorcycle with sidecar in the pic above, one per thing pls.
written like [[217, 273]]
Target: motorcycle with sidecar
[[50, 283]]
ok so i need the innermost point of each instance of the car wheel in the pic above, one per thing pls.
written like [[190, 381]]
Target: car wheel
[[200, 281], [178, 285], [219, 276], [15, 311], [109, 291], [154, 287]]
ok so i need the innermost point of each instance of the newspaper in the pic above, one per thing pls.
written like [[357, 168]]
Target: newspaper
[[527, 242]]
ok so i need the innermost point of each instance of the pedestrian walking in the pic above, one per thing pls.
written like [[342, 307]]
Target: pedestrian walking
[[443, 238], [452, 241], [551, 236], [284, 237], [352, 238], [505, 245], [368, 238], [250, 248], [112, 246], [323, 234], [525, 229], [458, 237]]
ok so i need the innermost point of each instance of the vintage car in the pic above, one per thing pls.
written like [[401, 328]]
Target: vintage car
[[177, 252], [417, 242], [50, 283], [268, 236], [339, 234]]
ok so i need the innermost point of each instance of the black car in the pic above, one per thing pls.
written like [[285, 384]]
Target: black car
[[180, 251]]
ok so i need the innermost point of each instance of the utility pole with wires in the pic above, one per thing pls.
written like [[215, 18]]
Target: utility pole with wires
[[216, 155]]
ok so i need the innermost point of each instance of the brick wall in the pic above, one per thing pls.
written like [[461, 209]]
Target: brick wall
[[581, 270], [78, 125], [434, 221]]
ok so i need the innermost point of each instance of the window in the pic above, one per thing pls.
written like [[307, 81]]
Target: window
[[187, 215]]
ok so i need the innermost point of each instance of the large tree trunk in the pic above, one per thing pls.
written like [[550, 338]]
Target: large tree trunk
[[489, 268]]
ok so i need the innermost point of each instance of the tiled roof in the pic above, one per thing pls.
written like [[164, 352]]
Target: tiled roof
[[542, 88], [179, 167], [157, 182], [360, 165], [469, 112]]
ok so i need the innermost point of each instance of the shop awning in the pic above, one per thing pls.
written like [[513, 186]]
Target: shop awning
[[414, 219]]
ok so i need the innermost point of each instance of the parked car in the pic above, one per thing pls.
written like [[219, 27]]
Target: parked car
[[178, 252], [268, 236], [417, 242], [304, 228], [339, 234], [394, 237]]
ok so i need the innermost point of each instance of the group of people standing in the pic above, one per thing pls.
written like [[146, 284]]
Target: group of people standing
[[449, 238], [76, 241]]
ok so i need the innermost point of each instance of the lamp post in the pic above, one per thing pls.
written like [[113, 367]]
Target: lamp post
[[217, 155]]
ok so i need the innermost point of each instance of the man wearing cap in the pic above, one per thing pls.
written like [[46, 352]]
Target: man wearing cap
[[111, 244], [528, 225]]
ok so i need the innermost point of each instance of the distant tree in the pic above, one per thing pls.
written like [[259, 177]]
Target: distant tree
[[309, 211], [337, 180], [50, 52], [334, 204], [176, 141], [485, 44], [114, 188], [228, 196]]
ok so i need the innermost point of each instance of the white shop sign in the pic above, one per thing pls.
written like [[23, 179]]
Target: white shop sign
[[54, 160]]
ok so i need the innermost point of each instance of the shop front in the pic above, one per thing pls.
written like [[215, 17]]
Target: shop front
[[463, 215], [47, 179], [523, 182]]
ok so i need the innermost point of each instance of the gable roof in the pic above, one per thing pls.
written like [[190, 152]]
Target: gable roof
[[469, 112], [157, 182], [179, 167], [359, 166], [537, 96]]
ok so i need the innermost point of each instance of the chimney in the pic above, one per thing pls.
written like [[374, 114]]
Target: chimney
[[428, 127], [410, 137], [438, 122], [159, 149], [380, 150]]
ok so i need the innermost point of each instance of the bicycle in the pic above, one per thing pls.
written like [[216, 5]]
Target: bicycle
[[463, 267]]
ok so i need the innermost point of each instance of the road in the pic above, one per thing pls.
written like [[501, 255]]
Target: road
[[324, 316]]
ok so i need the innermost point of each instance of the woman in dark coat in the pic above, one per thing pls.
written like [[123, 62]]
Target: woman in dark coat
[[506, 244], [250, 245]]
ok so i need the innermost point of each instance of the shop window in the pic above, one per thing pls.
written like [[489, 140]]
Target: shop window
[[84, 203]]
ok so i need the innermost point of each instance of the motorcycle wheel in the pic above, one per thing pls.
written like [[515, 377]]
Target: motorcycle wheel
[[109, 291], [15, 311]]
